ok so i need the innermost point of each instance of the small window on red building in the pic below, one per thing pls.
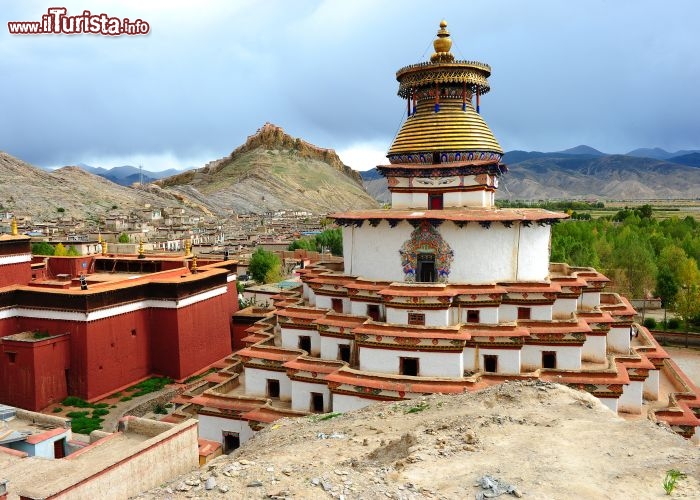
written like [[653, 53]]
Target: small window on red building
[[133, 332], [337, 305], [11, 356], [523, 313], [473, 316], [416, 319]]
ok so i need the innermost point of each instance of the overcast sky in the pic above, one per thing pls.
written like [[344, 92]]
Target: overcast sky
[[612, 74]]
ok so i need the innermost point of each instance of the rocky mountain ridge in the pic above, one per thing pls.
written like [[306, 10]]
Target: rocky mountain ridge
[[273, 171]]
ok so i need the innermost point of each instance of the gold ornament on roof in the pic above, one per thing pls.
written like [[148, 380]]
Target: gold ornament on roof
[[442, 45], [104, 248], [188, 247], [13, 227]]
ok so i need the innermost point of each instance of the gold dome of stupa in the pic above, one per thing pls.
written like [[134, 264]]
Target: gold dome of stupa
[[442, 118]]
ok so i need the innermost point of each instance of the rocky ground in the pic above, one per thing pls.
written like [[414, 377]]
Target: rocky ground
[[539, 440]]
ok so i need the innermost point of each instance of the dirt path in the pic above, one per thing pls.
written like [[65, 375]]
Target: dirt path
[[545, 440]]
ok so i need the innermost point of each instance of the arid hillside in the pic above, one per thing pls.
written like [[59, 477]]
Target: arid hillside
[[543, 440], [274, 171], [29, 190]]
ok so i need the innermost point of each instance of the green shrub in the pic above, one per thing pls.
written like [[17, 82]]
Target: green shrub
[[77, 414], [100, 405], [159, 408], [673, 324], [650, 323], [85, 425], [99, 412], [58, 409], [125, 399], [76, 402], [152, 384]]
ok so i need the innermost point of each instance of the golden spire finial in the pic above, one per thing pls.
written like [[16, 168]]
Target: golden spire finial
[[13, 227], [194, 264], [188, 248], [104, 247], [141, 255], [442, 45]]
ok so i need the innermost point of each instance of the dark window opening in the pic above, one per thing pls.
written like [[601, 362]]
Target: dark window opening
[[426, 267], [58, 448], [133, 332], [416, 319], [344, 352], [373, 312], [409, 366], [273, 388], [524, 313], [490, 363], [473, 316], [436, 157], [549, 359], [316, 402], [305, 343], [11, 356], [435, 201], [337, 305], [232, 441]]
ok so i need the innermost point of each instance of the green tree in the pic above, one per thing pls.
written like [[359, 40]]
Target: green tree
[[304, 244], [688, 297], [42, 248], [634, 259], [331, 239], [60, 250], [123, 238], [666, 289], [264, 265], [72, 251]]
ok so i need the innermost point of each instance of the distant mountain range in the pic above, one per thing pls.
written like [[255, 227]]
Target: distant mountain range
[[127, 175], [586, 173]]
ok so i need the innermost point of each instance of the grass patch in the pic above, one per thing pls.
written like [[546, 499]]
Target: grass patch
[[76, 402], [153, 384], [100, 412], [418, 407], [159, 408], [58, 409], [116, 395], [77, 414], [85, 425], [672, 477], [125, 399], [100, 405]]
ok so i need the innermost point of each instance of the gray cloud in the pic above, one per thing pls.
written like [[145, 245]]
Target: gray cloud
[[614, 75]]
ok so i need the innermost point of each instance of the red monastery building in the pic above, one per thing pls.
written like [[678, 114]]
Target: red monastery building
[[442, 293], [132, 317]]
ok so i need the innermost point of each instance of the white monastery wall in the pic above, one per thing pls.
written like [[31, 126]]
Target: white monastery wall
[[256, 383], [619, 339], [509, 312], [594, 349], [651, 386], [433, 317], [563, 308], [301, 395], [325, 302], [329, 347], [589, 300], [508, 360], [480, 255], [409, 200], [568, 357], [212, 428], [631, 399], [290, 338], [431, 364], [611, 403]]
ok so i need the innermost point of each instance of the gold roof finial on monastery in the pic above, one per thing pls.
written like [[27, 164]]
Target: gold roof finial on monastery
[[442, 45], [104, 248], [188, 248], [194, 265], [13, 227], [141, 252]]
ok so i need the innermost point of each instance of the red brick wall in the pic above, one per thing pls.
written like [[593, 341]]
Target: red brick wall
[[15, 274]]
